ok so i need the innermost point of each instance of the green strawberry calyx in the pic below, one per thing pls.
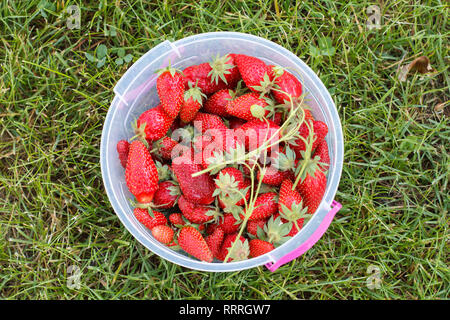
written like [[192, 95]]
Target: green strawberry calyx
[[219, 68], [194, 93]]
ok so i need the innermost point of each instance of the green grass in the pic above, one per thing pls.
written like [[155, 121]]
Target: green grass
[[54, 212]]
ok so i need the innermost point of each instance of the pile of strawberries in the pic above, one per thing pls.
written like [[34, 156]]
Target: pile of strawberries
[[231, 163]]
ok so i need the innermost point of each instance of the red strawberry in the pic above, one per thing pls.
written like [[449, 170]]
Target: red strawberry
[[212, 77], [198, 189], [288, 86], [206, 121], [163, 233], [259, 247], [153, 124], [251, 69], [242, 107], [322, 152], [165, 147], [253, 225], [273, 176], [312, 184], [229, 182], [198, 74], [215, 240], [240, 250], [265, 205], [290, 206], [193, 101], [170, 87], [256, 132], [166, 195], [192, 241], [122, 149], [210, 228], [277, 118], [141, 174], [228, 223], [150, 222], [320, 131], [197, 213], [216, 104], [235, 123], [176, 219], [224, 69], [229, 179]]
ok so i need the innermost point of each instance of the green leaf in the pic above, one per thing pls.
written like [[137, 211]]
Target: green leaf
[[128, 58], [102, 51], [326, 47], [314, 51], [119, 61], [112, 32], [101, 62], [90, 57], [121, 52]]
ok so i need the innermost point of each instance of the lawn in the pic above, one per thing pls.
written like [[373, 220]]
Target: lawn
[[56, 83]]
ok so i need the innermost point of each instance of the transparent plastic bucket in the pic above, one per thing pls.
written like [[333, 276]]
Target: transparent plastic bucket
[[136, 92]]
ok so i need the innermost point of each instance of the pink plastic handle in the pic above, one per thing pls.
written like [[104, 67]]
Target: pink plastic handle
[[305, 246]]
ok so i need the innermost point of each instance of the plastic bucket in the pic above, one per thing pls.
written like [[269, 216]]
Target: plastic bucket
[[136, 92]]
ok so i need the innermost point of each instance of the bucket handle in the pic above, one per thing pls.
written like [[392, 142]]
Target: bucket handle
[[305, 246]]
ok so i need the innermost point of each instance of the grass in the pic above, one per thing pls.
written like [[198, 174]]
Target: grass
[[54, 212]]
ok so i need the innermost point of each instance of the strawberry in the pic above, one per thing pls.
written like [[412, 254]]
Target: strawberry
[[214, 240], [206, 121], [212, 77], [320, 131], [239, 248], [193, 101], [224, 69], [290, 206], [198, 189], [276, 118], [253, 225], [197, 213], [288, 86], [192, 241], [273, 176], [265, 205], [232, 188], [176, 219], [235, 123], [123, 149], [163, 233], [165, 147], [199, 74], [216, 104], [275, 231], [311, 183], [256, 132], [201, 141], [242, 107], [141, 174], [324, 157], [143, 216], [252, 70], [228, 223], [228, 180], [167, 194], [153, 124], [259, 247], [170, 88]]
